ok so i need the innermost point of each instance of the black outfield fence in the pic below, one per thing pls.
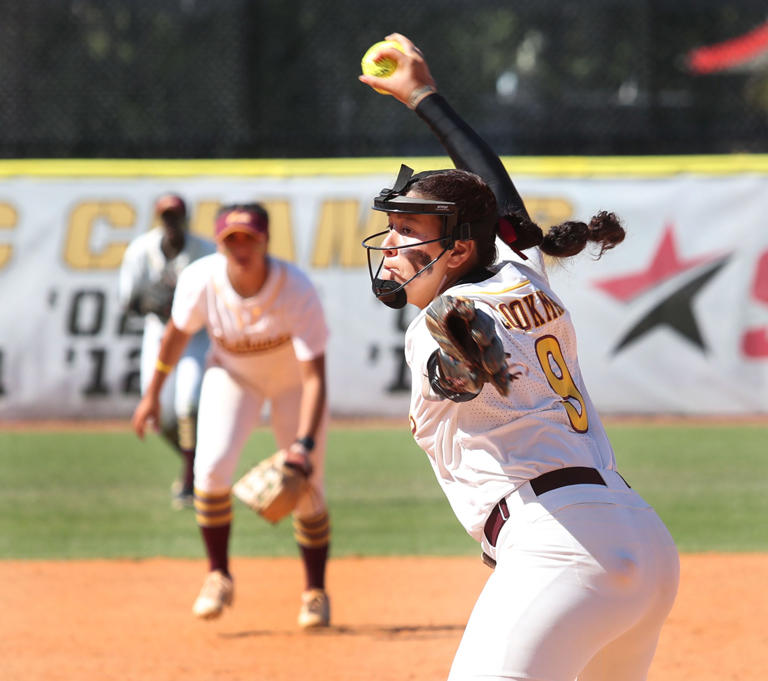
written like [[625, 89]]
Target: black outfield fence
[[278, 78]]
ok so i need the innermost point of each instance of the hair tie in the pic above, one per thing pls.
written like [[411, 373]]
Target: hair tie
[[507, 231], [508, 235]]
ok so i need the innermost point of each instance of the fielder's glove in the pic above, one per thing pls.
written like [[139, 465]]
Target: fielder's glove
[[273, 488], [470, 354], [155, 298]]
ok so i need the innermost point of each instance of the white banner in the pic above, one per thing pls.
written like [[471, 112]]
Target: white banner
[[673, 320]]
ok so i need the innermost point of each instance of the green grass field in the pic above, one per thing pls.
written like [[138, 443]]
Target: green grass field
[[68, 495]]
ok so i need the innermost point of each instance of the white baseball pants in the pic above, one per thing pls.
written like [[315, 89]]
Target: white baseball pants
[[585, 578], [229, 411]]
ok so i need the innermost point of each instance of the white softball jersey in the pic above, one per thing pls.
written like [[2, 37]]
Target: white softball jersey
[[483, 449], [256, 346], [245, 331], [144, 263]]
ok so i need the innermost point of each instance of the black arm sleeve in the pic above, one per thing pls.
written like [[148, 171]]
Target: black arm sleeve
[[469, 151]]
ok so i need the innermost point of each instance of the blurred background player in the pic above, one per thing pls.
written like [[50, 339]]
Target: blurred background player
[[148, 274], [269, 337]]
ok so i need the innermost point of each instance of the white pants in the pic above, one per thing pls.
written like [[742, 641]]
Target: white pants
[[229, 411], [585, 578], [181, 391]]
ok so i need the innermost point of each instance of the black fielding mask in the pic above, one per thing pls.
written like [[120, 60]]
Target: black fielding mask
[[394, 200]]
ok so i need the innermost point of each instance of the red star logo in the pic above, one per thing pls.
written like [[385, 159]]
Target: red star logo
[[665, 264], [754, 342]]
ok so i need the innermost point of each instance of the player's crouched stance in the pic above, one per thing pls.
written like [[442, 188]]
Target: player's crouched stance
[[268, 338], [585, 571]]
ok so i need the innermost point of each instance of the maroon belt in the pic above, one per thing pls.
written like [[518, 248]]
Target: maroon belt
[[546, 482]]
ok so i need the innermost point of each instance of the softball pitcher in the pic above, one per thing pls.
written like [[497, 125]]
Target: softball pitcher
[[585, 573], [148, 274], [268, 338]]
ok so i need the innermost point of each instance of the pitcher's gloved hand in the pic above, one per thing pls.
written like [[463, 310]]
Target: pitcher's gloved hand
[[470, 354]]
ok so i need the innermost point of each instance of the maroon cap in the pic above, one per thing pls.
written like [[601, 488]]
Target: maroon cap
[[170, 203], [241, 220]]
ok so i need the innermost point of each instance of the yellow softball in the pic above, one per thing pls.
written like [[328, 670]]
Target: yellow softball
[[383, 68]]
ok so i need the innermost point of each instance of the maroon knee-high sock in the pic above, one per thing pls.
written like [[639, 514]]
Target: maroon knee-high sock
[[314, 560], [217, 546], [187, 468]]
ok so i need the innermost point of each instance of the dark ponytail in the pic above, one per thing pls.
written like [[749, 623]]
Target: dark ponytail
[[569, 238]]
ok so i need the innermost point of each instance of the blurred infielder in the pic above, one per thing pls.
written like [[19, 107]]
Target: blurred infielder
[[268, 339], [585, 571], [148, 274]]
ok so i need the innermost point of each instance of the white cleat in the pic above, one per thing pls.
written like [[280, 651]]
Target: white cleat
[[315, 609], [218, 590], [181, 497]]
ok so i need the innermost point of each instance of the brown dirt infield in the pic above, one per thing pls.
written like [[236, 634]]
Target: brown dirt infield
[[393, 619]]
